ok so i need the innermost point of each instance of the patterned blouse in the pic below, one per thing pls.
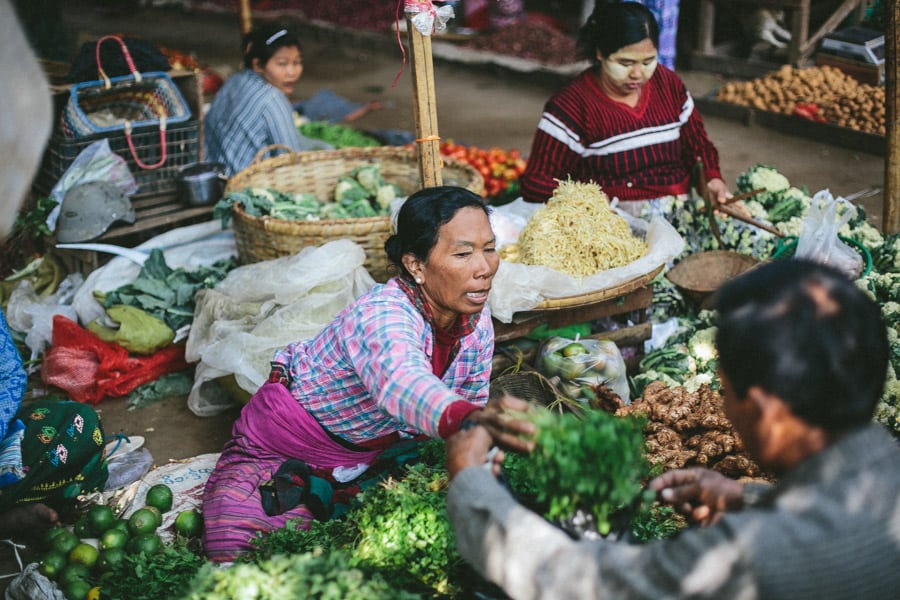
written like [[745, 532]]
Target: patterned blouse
[[383, 343]]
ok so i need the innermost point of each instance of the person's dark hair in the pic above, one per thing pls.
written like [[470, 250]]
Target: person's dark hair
[[265, 40], [806, 333], [614, 25], [420, 218]]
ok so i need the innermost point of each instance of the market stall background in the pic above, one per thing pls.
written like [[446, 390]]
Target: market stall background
[[497, 108], [481, 105]]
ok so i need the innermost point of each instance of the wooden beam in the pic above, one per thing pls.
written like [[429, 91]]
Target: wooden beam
[[246, 16], [424, 107], [830, 24], [891, 221]]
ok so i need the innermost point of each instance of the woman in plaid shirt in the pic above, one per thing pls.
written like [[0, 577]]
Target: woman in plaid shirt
[[409, 360]]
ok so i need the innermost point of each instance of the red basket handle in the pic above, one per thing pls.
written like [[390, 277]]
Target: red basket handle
[[128, 60], [162, 145]]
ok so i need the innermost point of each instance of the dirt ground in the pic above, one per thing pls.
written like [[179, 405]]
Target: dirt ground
[[479, 105]]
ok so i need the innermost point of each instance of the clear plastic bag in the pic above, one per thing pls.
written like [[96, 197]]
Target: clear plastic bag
[[819, 239], [579, 364], [97, 162], [128, 468]]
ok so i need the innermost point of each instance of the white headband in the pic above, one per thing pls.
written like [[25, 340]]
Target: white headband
[[275, 36]]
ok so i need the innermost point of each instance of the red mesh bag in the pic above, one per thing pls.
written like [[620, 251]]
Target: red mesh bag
[[89, 369]]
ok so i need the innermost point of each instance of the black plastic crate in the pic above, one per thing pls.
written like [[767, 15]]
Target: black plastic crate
[[182, 148]]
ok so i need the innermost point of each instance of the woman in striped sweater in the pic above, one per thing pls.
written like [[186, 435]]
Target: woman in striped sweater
[[628, 123]]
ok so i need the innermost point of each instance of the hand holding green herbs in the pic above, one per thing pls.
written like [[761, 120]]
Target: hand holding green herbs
[[593, 463]]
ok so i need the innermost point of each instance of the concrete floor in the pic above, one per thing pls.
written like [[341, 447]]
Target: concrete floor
[[477, 105]]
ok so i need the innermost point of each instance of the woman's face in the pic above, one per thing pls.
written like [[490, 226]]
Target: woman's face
[[283, 69], [457, 276], [625, 71]]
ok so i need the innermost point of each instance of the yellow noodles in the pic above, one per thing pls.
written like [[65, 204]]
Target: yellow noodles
[[578, 233]]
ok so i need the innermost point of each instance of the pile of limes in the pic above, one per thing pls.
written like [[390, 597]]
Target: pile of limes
[[79, 559]]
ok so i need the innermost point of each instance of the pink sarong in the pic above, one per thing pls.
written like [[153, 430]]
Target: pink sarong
[[271, 429]]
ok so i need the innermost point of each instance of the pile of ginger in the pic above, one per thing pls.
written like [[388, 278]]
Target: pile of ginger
[[688, 429]]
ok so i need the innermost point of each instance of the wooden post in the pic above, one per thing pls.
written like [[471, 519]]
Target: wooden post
[[246, 16], [424, 107], [892, 114]]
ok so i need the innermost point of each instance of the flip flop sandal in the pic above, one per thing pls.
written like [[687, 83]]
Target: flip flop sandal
[[121, 444]]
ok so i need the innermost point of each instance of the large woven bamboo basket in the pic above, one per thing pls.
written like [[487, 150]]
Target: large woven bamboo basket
[[265, 238]]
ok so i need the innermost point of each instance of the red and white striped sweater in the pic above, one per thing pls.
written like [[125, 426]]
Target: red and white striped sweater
[[633, 153]]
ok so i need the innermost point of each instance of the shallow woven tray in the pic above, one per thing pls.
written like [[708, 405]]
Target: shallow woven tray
[[527, 385], [265, 238], [698, 275], [600, 295]]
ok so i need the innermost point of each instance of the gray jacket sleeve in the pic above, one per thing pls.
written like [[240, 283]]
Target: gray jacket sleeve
[[530, 558]]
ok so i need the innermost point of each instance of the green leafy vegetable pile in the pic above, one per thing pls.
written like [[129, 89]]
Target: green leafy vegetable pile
[[142, 576], [164, 292], [784, 206], [361, 193], [314, 575], [338, 136]]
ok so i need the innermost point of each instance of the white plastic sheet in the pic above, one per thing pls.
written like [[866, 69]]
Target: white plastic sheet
[[264, 306]]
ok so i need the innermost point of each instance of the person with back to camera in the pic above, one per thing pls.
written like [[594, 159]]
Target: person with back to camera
[[627, 123], [803, 357], [253, 108], [408, 360]]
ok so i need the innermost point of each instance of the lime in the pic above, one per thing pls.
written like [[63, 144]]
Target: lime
[[93, 593], [82, 528], [122, 525], [145, 543], [78, 590], [64, 542], [84, 554], [53, 564], [100, 517], [113, 538], [52, 533], [73, 572], [189, 523], [110, 559], [156, 513], [160, 496], [573, 349], [142, 521]]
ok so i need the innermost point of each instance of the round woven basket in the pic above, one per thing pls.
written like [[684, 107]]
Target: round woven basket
[[531, 386], [700, 274], [265, 238]]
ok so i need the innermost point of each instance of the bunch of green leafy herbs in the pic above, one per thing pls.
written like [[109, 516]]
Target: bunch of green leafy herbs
[[591, 463], [164, 292], [142, 576], [317, 575], [398, 528]]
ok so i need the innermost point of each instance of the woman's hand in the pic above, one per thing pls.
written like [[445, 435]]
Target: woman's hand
[[720, 195], [507, 431], [718, 190], [469, 448], [700, 494]]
